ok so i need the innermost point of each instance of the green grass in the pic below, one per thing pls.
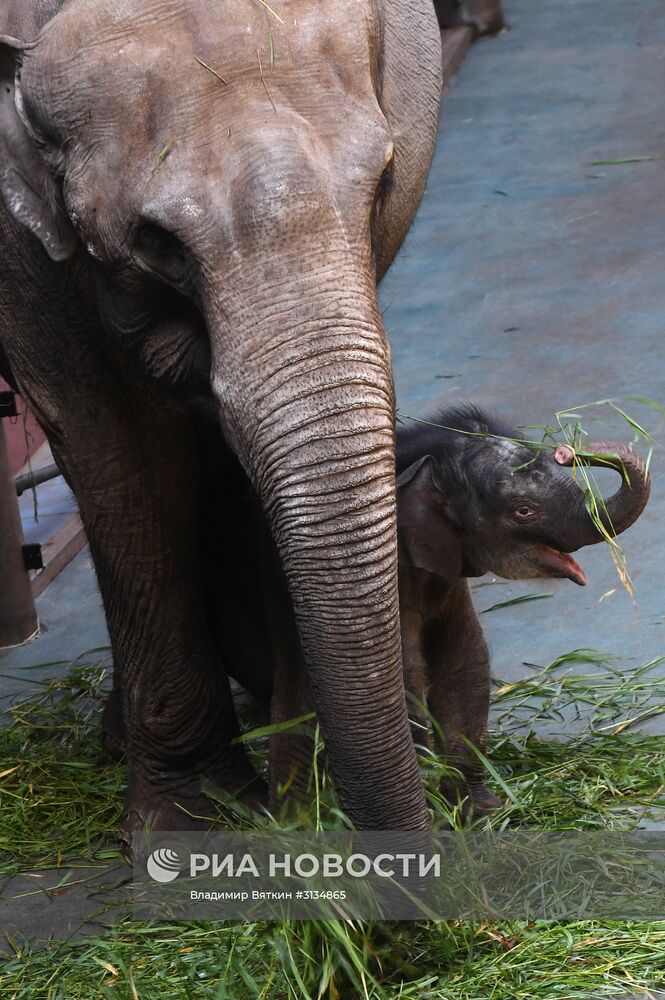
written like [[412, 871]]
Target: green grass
[[455, 961], [61, 799], [59, 795]]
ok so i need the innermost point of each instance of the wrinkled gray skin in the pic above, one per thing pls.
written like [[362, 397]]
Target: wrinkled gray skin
[[189, 273], [473, 501]]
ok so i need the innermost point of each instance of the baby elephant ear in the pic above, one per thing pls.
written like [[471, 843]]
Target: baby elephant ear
[[27, 188], [427, 537]]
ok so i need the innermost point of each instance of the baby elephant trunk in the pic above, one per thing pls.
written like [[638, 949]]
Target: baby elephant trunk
[[620, 510]]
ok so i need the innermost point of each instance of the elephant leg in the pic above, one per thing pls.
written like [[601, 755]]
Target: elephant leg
[[140, 506], [254, 623], [296, 757], [114, 730], [142, 520], [414, 666], [131, 458], [458, 669], [234, 580], [130, 454], [292, 752]]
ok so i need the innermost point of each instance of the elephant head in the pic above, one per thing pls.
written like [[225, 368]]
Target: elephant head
[[473, 500], [236, 181]]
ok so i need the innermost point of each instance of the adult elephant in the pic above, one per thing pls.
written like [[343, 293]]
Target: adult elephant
[[198, 200]]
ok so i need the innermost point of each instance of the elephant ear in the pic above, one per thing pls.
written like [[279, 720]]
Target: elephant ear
[[427, 535], [27, 188]]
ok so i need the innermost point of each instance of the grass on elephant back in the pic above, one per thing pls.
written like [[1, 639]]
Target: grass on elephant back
[[61, 801]]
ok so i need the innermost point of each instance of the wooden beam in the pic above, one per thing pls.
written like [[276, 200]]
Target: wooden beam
[[64, 545], [18, 615]]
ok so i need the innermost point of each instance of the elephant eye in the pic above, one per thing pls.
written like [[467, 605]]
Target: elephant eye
[[162, 253], [523, 512], [153, 240]]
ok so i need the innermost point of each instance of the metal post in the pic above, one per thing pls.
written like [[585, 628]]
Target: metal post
[[18, 615]]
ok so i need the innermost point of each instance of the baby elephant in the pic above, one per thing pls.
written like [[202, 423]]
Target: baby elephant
[[472, 501]]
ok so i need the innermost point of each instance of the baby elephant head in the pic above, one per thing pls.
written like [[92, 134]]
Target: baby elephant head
[[473, 500]]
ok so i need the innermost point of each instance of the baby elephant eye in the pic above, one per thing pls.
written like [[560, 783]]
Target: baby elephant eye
[[523, 512]]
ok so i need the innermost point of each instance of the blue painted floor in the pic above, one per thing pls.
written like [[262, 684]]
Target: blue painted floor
[[54, 505], [531, 282], [72, 622]]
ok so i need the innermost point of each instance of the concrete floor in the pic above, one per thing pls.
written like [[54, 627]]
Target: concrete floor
[[531, 282]]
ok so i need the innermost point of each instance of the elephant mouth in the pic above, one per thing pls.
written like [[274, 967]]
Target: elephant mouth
[[560, 564]]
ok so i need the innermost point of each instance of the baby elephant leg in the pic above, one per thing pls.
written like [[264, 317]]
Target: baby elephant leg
[[414, 671], [458, 671]]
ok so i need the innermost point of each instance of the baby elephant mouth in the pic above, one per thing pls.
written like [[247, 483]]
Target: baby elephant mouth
[[559, 564]]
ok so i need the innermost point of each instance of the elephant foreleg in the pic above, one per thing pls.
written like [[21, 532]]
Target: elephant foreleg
[[132, 461], [292, 750], [114, 730], [458, 668], [130, 455], [413, 663], [139, 502]]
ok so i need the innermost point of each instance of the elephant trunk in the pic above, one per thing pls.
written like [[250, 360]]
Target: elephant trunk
[[623, 508], [306, 398]]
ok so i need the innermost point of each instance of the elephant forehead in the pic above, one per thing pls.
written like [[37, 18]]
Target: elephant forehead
[[515, 469], [129, 82], [510, 454], [119, 44]]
